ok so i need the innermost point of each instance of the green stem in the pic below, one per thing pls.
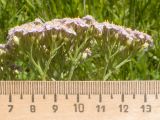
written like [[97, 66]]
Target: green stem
[[37, 66], [71, 72]]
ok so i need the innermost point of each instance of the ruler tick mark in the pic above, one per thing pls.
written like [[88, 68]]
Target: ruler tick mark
[[32, 98], [66, 96], [100, 98], [156, 96], [145, 97], [21, 96], [44, 96], [78, 97], [10, 97], [89, 96], [122, 97], [55, 97], [134, 96], [111, 96]]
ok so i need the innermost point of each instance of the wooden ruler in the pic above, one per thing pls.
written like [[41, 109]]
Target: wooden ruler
[[79, 100]]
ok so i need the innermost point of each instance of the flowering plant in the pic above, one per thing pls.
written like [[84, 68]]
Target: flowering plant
[[67, 49]]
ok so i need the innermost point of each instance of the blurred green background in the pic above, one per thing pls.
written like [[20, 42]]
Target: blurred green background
[[143, 15]]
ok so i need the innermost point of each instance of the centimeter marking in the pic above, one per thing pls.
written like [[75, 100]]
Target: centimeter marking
[[79, 88], [39, 100]]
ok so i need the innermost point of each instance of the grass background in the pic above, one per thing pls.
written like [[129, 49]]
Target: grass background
[[143, 15]]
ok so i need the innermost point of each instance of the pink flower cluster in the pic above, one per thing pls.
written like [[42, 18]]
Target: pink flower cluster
[[78, 26]]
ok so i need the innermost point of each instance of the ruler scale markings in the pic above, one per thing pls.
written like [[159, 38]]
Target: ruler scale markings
[[77, 88], [96, 89], [111, 96], [138, 87], [80, 88], [104, 86], [156, 96], [126, 89], [78, 98], [89, 96], [55, 91], [93, 88], [107, 87], [29, 88], [50, 85], [32, 98], [38, 88], [58, 88], [83, 88], [4, 86], [130, 88], [55, 97], [86, 89], [146, 88], [10, 97], [4, 91], [134, 96], [110, 88], [21, 96], [100, 97], [74, 90], [67, 87], [63, 88], [122, 97], [150, 90], [145, 97], [66, 96], [72, 87], [25, 87], [156, 89], [9, 87], [121, 87], [44, 96], [42, 89], [15, 87], [147, 92]]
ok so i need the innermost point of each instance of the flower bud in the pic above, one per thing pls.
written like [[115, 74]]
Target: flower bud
[[16, 40]]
